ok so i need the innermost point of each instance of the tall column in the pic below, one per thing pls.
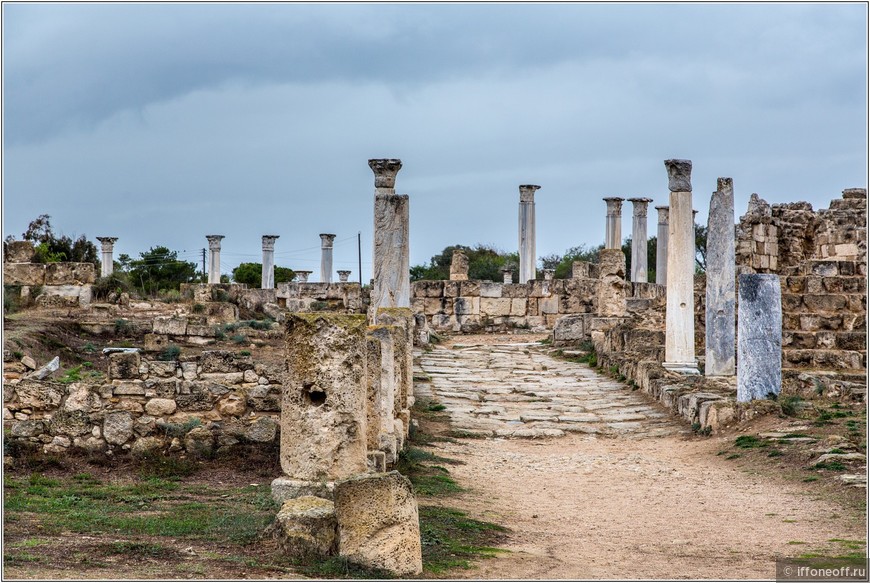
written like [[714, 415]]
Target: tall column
[[721, 268], [527, 232], [638, 239], [326, 257], [759, 336], [107, 246], [267, 281], [214, 258], [391, 261], [680, 314], [662, 247], [613, 227]]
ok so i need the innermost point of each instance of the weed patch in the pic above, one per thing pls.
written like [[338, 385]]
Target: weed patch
[[451, 540]]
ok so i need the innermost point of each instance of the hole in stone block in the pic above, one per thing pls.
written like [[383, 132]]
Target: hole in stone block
[[313, 395]]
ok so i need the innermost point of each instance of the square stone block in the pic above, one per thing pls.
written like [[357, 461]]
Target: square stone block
[[489, 289], [518, 306], [495, 306], [466, 306]]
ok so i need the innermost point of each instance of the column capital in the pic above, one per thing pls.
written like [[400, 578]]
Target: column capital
[[548, 274], [724, 184], [302, 276], [679, 175], [107, 243], [640, 205], [663, 213], [214, 242], [326, 240], [343, 275], [385, 170], [614, 204], [269, 242], [527, 192]]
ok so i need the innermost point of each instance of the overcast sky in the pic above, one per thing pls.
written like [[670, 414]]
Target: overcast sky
[[161, 123]]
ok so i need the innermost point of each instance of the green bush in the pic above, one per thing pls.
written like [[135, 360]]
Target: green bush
[[116, 282], [169, 353]]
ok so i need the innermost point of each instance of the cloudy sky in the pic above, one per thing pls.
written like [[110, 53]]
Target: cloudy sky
[[161, 123]]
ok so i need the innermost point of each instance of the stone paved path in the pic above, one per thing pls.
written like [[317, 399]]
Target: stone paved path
[[516, 390]]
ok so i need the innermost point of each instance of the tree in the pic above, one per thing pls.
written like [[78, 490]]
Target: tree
[[563, 264], [484, 262], [160, 269], [252, 274], [50, 248], [700, 248]]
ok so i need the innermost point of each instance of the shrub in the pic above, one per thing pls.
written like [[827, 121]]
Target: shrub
[[169, 353], [122, 327], [198, 308], [239, 339], [114, 283]]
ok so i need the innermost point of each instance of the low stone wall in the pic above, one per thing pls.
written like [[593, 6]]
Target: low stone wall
[[198, 404], [321, 297], [58, 284]]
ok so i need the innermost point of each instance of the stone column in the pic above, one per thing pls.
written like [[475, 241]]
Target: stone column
[[611, 283], [267, 281], [759, 336], [662, 247], [507, 275], [613, 227], [391, 262], [527, 232], [326, 257], [214, 258], [680, 314], [381, 374], [107, 246], [459, 266], [323, 403], [302, 276], [343, 275], [638, 239], [721, 268]]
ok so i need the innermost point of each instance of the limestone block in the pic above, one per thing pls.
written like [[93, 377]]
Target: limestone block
[[73, 423], [81, 398], [466, 306], [468, 324], [124, 365], [427, 289], [436, 306], [117, 427], [24, 273], [160, 407], [145, 446], [223, 378], [18, 252], [199, 442], [264, 398], [495, 306], [155, 342], [759, 337], [27, 428], [489, 289], [549, 305], [323, 409], [198, 395], [580, 270], [469, 288], [220, 313], [38, 395], [284, 488], [69, 273], [459, 266], [518, 306], [128, 388], [441, 322], [570, 328], [223, 361], [263, 430], [170, 325], [162, 388], [305, 527], [611, 283], [378, 523]]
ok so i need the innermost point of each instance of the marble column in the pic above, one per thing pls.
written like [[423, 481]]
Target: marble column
[[326, 257], [302, 276], [662, 246], [613, 227], [343, 275], [507, 275], [391, 262], [638, 239], [214, 258], [107, 246], [721, 267], [680, 311], [267, 281], [759, 336], [527, 232]]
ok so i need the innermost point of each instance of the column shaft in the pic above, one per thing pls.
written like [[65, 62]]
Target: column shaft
[[214, 258], [639, 240], [267, 281], [613, 226], [326, 257], [107, 247], [662, 246], [391, 262], [759, 337], [720, 300], [527, 232]]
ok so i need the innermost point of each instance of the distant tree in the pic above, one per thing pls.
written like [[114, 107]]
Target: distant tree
[[50, 247], [252, 274], [700, 248], [484, 262], [563, 264], [160, 269]]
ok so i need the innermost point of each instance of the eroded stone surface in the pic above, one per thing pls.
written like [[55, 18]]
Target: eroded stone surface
[[305, 527], [759, 337]]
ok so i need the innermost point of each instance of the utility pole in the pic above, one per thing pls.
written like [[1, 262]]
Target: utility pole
[[203, 263], [359, 254]]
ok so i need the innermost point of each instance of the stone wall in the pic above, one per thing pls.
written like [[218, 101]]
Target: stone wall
[[320, 297], [196, 404], [58, 284]]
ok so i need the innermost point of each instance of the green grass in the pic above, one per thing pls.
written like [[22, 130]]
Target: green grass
[[832, 465], [452, 540], [748, 442]]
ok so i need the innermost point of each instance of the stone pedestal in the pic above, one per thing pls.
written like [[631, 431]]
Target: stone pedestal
[[639, 239], [680, 314], [214, 258], [459, 266], [581, 270], [720, 300], [613, 226], [107, 247], [527, 232], [507, 275], [302, 276], [611, 283], [759, 337], [326, 257], [323, 405], [343, 275], [662, 246], [391, 251], [267, 281], [548, 274]]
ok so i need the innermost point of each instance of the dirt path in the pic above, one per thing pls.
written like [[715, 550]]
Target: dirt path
[[626, 504]]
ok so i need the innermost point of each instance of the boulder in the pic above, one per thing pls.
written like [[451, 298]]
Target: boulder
[[160, 407], [305, 527], [199, 442], [118, 427], [378, 523]]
